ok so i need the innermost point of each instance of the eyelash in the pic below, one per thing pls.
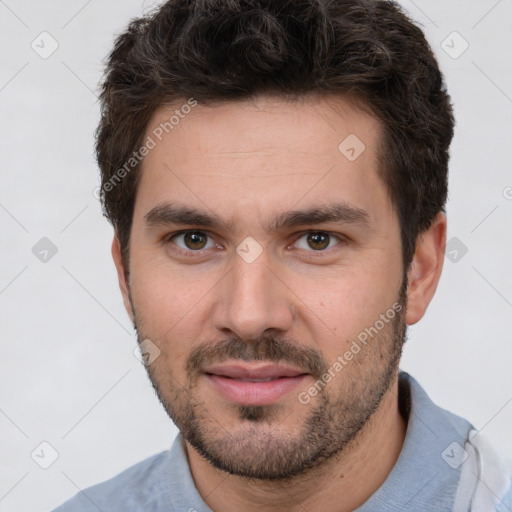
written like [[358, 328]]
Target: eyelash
[[309, 254]]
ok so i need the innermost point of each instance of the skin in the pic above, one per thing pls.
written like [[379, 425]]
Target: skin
[[247, 162]]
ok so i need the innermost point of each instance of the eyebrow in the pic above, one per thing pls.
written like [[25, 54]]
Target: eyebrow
[[174, 214], [342, 213]]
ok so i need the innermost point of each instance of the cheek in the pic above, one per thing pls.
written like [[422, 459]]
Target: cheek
[[167, 313], [169, 305], [343, 306]]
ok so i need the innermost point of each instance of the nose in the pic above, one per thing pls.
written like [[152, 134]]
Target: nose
[[253, 299]]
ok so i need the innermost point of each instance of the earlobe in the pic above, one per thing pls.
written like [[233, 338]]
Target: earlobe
[[122, 276], [425, 270]]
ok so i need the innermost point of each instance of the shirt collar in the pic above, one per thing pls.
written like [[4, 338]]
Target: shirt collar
[[426, 474]]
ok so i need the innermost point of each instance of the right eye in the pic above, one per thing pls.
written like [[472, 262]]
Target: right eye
[[192, 240]]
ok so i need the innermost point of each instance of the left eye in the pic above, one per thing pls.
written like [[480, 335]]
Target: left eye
[[316, 240], [193, 240]]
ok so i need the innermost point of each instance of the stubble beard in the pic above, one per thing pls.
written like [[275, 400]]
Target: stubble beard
[[261, 448]]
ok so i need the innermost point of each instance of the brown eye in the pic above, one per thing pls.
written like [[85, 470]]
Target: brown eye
[[195, 240], [192, 240], [318, 241]]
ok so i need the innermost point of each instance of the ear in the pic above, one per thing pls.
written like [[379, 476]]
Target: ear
[[122, 276], [425, 270]]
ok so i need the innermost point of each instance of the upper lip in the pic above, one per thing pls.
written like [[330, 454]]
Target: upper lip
[[254, 371]]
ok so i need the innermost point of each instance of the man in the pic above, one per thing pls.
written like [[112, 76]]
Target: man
[[276, 174]]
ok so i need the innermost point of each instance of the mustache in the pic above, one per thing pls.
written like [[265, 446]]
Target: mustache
[[264, 349]]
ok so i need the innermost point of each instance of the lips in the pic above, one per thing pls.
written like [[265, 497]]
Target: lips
[[258, 372], [254, 384]]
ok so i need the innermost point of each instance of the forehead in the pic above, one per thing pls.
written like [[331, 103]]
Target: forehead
[[263, 153], [234, 129]]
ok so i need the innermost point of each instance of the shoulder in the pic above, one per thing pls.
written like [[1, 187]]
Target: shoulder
[[139, 487]]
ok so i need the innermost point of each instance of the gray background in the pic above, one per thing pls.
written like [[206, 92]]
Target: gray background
[[68, 373]]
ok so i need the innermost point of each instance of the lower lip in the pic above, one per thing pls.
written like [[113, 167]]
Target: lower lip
[[254, 393]]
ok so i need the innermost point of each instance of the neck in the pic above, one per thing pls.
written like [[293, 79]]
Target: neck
[[341, 484]]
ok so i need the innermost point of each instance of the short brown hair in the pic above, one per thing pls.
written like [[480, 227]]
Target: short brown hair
[[227, 50]]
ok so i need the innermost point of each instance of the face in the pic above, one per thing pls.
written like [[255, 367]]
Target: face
[[265, 265]]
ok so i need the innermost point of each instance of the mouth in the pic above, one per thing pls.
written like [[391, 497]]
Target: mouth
[[254, 383]]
